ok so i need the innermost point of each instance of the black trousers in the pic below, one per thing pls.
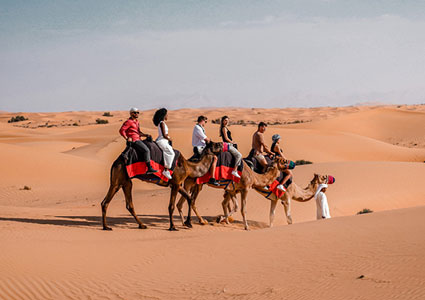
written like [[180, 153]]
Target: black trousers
[[142, 150]]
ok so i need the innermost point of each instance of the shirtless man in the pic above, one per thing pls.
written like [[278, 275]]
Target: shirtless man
[[258, 145]]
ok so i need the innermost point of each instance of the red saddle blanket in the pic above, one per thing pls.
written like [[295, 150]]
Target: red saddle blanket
[[225, 166], [137, 168], [273, 187]]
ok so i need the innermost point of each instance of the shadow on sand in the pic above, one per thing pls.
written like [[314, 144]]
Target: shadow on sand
[[152, 221]]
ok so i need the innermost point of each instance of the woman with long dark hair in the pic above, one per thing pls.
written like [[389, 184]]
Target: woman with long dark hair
[[164, 140], [226, 135]]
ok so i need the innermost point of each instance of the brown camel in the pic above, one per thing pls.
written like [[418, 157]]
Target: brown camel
[[294, 192], [249, 179], [184, 169]]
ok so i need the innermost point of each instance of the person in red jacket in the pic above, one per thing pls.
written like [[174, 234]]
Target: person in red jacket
[[130, 131]]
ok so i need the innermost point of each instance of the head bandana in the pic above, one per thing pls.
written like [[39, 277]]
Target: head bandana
[[319, 188], [275, 137]]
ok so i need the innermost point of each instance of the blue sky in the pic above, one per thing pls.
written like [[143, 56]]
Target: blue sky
[[106, 55]]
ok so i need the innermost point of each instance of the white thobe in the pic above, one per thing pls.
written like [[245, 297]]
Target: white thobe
[[322, 206]]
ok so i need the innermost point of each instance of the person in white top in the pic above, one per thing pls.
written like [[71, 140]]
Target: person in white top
[[164, 140], [322, 202], [199, 142], [199, 138]]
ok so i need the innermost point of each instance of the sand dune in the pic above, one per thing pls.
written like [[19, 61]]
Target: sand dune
[[53, 248], [391, 125], [361, 257]]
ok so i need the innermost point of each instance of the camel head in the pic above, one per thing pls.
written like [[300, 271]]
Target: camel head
[[277, 163], [319, 179], [280, 162], [215, 148]]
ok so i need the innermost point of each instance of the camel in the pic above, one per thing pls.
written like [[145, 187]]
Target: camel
[[184, 169], [249, 179], [296, 193]]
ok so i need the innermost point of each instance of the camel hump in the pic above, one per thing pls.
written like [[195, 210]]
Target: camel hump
[[249, 163]]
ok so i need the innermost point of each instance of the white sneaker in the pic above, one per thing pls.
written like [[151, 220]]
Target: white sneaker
[[167, 174], [281, 188], [266, 188], [235, 173]]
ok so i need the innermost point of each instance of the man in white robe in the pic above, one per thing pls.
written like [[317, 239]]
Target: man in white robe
[[322, 202]]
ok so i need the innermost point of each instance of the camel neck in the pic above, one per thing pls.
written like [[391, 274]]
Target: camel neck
[[303, 195]]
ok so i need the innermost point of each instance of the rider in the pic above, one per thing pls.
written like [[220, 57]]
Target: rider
[[164, 140], [258, 145], [279, 152], [226, 135], [199, 142], [130, 130]]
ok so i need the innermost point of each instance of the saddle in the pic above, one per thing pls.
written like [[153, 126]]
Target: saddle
[[137, 168], [257, 167], [254, 164], [223, 171], [196, 155]]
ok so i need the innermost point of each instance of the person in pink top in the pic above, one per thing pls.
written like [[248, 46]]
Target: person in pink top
[[130, 131]]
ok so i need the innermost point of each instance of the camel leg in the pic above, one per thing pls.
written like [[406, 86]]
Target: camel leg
[[183, 192], [113, 189], [231, 209], [187, 186], [272, 210], [225, 206], [235, 205], [180, 208], [244, 194], [129, 202], [287, 205], [195, 192], [173, 195]]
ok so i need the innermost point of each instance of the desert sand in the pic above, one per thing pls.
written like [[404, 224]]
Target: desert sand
[[52, 245]]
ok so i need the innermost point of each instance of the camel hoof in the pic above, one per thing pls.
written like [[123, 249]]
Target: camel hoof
[[172, 228], [142, 226], [188, 224], [107, 228], [203, 222]]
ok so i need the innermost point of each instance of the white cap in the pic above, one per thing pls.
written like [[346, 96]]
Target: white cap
[[319, 188], [133, 109]]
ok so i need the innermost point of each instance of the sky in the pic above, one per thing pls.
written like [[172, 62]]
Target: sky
[[111, 55]]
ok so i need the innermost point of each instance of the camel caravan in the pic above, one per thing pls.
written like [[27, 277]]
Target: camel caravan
[[216, 164]]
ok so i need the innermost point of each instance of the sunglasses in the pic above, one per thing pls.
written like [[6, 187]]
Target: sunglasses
[[135, 112]]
